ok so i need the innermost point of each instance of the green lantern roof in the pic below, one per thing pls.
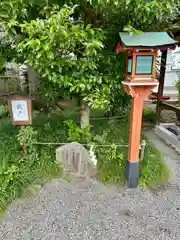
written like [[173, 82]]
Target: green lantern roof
[[146, 39]]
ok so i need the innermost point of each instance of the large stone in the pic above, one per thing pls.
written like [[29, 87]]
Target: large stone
[[75, 158]]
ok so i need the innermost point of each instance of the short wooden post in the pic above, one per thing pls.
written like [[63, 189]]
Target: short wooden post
[[25, 149], [161, 85], [143, 146]]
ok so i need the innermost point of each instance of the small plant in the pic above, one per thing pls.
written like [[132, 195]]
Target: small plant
[[110, 162], [149, 115], [153, 170], [26, 137], [178, 86], [75, 133], [10, 173], [18, 170], [4, 110]]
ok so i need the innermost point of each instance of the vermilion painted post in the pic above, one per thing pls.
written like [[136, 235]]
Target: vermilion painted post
[[135, 128], [138, 93], [134, 141]]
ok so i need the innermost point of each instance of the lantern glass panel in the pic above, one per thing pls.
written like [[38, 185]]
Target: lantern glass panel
[[129, 65], [144, 65]]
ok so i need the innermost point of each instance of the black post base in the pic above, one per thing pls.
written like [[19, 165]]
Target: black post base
[[133, 174]]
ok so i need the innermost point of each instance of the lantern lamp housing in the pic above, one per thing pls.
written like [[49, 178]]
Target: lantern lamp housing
[[141, 65], [141, 54]]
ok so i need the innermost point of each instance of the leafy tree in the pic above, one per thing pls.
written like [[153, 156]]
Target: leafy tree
[[73, 47], [111, 16], [67, 53]]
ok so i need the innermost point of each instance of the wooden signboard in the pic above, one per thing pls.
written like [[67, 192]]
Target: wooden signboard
[[20, 108]]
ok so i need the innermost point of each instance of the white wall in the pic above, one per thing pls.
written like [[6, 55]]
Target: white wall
[[172, 67]]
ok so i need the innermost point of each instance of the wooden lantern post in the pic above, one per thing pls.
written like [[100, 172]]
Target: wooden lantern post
[[139, 82]]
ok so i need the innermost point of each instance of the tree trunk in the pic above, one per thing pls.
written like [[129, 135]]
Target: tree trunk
[[23, 74], [161, 85], [34, 81], [84, 115]]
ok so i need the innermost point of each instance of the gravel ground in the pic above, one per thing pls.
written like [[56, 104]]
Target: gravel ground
[[87, 209]]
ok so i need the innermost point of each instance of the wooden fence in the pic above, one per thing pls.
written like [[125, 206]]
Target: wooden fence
[[9, 84]]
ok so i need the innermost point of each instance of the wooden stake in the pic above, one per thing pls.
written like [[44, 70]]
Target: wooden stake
[[161, 85]]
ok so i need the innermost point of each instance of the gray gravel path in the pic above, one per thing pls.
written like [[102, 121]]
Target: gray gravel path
[[86, 209]]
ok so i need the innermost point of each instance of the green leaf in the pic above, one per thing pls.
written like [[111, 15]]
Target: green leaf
[[38, 42], [128, 28], [13, 30], [138, 32], [50, 55], [51, 29], [12, 22]]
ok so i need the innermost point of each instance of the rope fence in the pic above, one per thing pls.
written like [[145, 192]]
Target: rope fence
[[108, 118], [84, 144], [142, 146]]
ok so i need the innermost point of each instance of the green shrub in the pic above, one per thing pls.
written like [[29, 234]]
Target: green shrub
[[110, 159], [153, 170], [27, 136], [149, 115], [4, 111], [18, 170], [76, 133], [178, 85], [111, 164]]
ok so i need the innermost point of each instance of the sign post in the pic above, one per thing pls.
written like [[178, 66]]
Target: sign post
[[20, 108]]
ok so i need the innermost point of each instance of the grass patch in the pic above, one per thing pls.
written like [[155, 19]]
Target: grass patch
[[149, 115], [111, 159], [153, 170], [17, 172]]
